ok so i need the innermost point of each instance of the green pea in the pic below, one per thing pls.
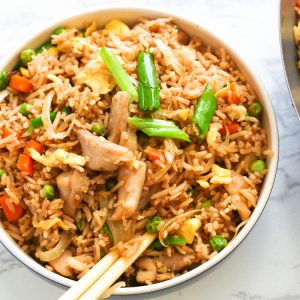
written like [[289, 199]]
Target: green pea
[[4, 80], [98, 128], [153, 224], [110, 183], [26, 56], [24, 109], [2, 172], [205, 204], [255, 109], [59, 30], [218, 242], [258, 166], [49, 192]]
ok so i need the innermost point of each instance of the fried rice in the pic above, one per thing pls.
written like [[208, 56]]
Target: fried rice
[[177, 182]]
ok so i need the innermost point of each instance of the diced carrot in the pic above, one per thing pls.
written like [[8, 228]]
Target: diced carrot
[[34, 145], [25, 164], [298, 3], [231, 127], [7, 132], [234, 98], [20, 83], [155, 154], [11, 216]]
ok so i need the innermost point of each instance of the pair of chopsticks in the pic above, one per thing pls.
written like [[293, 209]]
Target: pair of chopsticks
[[104, 274]]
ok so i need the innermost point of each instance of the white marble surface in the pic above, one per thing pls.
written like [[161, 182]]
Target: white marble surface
[[267, 265]]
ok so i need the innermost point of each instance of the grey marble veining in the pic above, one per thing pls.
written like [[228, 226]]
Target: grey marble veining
[[267, 264]]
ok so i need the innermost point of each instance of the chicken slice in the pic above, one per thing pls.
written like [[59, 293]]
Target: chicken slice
[[147, 271], [233, 189], [118, 117], [177, 261], [103, 155], [72, 184], [130, 193], [60, 264]]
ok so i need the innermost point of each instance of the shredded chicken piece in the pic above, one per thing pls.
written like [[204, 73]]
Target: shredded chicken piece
[[60, 264], [147, 270], [176, 261], [233, 189], [72, 184], [130, 193], [130, 141], [102, 154], [118, 117]]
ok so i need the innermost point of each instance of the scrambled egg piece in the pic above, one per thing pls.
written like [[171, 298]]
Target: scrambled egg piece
[[57, 158], [221, 175], [96, 75], [189, 229], [47, 224], [203, 184], [223, 91], [53, 51], [237, 112], [116, 26], [183, 114], [25, 72], [212, 134]]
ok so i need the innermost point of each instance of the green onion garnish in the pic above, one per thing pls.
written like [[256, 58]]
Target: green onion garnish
[[121, 77], [148, 88], [204, 112], [108, 232], [160, 128]]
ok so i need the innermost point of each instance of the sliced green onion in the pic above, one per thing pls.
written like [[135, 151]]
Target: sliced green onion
[[153, 223], [43, 47], [121, 77], [148, 88], [4, 80], [171, 240], [66, 110], [49, 192], [98, 128], [192, 190], [23, 109], [110, 183], [79, 225], [218, 242], [258, 166], [37, 122], [26, 56], [2, 172], [255, 109], [59, 30], [205, 204], [204, 112], [160, 128], [108, 232]]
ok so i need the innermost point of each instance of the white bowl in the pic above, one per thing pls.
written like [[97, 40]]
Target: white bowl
[[131, 16]]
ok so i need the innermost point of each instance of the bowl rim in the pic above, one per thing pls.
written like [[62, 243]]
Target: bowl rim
[[29, 262]]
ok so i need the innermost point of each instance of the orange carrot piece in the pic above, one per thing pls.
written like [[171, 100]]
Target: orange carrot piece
[[7, 132], [20, 83], [25, 164], [34, 145], [11, 216], [155, 154]]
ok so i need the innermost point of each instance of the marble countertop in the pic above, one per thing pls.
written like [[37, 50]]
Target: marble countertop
[[267, 265]]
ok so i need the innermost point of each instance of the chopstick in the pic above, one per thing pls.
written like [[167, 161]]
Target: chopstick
[[90, 277], [100, 278]]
